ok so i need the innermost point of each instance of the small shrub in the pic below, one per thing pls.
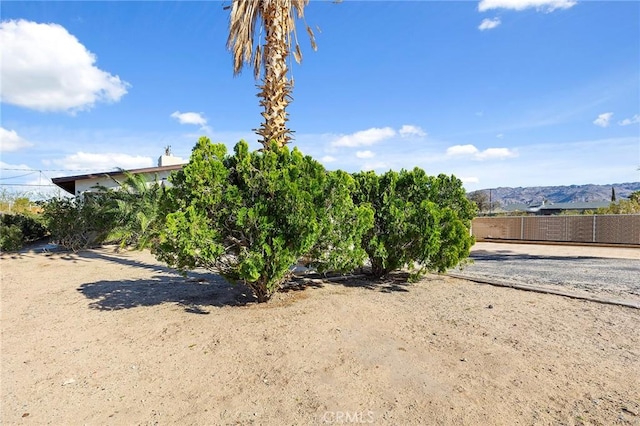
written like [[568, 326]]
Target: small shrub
[[22, 205], [420, 222], [31, 226], [19, 229], [78, 223], [630, 206], [11, 238]]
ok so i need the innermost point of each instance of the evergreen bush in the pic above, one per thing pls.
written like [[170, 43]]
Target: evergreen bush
[[421, 222], [19, 229], [253, 215], [78, 223]]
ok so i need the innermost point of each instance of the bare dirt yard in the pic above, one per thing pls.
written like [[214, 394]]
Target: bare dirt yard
[[101, 337]]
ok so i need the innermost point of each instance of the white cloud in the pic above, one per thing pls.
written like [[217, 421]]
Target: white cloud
[[500, 135], [496, 153], [45, 68], [365, 154], [14, 166], [487, 154], [462, 150], [489, 24], [328, 159], [364, 137], [103, 162], [542, 5], [628, 121], [11, 141], [603, 119], [190, 118], [409, 130]]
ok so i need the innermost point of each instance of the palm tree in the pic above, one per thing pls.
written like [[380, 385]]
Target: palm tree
[[135, 208], [277, 19]]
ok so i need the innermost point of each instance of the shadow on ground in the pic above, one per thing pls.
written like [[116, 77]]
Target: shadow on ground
[[123, 260], [199, 290], [194, 293], [394, 282], [510, 255]]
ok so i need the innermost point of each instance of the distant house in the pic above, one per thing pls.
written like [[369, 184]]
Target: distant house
[[557, 208], [80, 184], [547, 209]]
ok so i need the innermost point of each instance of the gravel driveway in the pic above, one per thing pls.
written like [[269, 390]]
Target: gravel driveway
[[609, 272]]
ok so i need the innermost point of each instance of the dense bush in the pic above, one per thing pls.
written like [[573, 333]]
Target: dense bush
[[78, 223], [420, 222], [457, 212], [253, 215], [18, 229], [339, 243], [31, 226], [11, 238]]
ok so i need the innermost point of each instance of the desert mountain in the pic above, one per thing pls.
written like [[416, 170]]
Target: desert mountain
[[561, 194]]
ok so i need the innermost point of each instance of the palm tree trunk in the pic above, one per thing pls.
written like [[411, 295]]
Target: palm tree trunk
[[275, 92]]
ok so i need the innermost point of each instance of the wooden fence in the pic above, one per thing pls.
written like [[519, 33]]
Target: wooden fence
[[597, 229]]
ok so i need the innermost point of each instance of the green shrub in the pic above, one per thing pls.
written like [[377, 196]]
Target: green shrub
[[253, 215], [22, 205], [78, 223], [457, 212], [420, 222], [343, 225], [629, 206], [11, 238], [18, 229], [30, 225]]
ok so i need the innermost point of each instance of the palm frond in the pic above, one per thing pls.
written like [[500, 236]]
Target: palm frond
[[246, 22]]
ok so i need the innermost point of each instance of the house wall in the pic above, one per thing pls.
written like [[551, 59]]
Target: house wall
[[108, 182]]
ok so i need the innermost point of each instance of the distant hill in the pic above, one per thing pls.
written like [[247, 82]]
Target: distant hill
[[561, 194]]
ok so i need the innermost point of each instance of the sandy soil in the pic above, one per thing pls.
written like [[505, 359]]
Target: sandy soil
[[106, 338]]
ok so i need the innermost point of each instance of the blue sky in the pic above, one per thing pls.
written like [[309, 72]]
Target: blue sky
[[497, 92]]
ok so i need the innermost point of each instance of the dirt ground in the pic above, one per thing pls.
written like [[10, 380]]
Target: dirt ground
[[105, 338]]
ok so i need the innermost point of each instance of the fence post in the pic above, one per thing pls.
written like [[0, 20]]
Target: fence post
[[521, 228], [593, 238]]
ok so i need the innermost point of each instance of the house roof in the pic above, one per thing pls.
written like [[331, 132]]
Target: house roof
[[588, 205], [68, 183]]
